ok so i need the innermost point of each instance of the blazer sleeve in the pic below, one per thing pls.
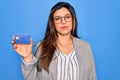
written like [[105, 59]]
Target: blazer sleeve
[[31, 72], [92, 65]]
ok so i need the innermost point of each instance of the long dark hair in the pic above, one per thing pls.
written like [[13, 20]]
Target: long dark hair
[[48, 45]]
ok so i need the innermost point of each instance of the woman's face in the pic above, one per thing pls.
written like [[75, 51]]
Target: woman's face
[[63, 21]]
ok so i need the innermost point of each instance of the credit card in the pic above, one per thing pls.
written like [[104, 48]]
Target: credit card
[[22, 38]]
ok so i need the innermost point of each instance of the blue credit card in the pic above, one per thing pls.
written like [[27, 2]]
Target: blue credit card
[[22, 38]]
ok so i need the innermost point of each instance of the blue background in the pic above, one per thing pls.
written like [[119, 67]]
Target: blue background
[[98, 23]]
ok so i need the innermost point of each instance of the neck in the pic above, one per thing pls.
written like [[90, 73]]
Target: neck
[[64, 40]]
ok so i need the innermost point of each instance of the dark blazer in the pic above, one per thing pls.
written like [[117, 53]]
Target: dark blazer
[[85, 61]]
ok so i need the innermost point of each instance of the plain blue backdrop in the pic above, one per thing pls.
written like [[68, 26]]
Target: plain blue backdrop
[[98, 23]]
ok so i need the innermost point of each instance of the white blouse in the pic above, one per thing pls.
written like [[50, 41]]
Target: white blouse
[[67, 68]]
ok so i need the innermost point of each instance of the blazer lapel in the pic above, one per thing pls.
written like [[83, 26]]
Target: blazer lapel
[[53, 66], [79, 55]]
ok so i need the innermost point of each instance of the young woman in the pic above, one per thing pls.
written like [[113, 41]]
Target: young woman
[[61, 55]]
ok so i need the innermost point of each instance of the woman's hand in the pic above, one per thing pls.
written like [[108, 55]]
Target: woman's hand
[[24, 50]]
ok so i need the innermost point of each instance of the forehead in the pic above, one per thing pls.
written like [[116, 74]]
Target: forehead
[[61, 12]]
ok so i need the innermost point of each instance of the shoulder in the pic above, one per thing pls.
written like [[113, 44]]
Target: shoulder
[[80, 42]]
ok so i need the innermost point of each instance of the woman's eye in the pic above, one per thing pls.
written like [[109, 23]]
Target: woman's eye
[[67, 16], [57, 18]]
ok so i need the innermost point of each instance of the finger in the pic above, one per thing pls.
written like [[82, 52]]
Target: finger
[[31, 41], [12, 41], [13, 38], [15, 47]]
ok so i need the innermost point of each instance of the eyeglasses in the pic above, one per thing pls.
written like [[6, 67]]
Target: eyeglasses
[[67, 18]]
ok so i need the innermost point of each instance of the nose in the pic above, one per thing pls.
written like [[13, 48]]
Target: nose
[[63, 20]]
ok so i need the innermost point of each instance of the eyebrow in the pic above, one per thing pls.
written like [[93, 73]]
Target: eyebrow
[[63, 16]]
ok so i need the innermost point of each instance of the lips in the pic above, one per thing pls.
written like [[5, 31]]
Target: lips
[[64, 27]]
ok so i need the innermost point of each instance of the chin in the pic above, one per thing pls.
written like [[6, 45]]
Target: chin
[[64, 33]]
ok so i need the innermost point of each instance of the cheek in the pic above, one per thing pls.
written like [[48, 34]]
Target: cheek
[[57, 27], [70, 25]]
